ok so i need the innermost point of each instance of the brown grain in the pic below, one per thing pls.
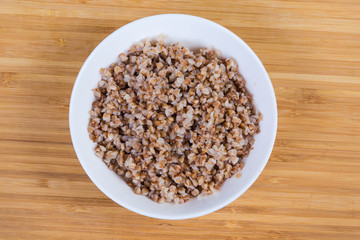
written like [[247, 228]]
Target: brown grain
[[163, 123]]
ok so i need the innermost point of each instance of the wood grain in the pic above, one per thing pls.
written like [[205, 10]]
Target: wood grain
[[310, 188]]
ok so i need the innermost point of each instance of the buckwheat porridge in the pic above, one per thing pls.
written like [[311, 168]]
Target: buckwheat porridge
[[171, 122]]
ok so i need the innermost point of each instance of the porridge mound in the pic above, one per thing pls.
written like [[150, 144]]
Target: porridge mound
[[171, 122]]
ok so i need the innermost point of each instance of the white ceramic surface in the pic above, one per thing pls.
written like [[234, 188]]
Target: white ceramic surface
[[192, 32]]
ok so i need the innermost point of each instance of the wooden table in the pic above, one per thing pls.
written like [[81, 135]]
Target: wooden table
[[310, 189]]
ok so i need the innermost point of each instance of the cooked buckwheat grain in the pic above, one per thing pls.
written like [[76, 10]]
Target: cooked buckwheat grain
[[172, 123]]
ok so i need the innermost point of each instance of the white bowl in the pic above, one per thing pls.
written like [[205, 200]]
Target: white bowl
[[192, 32]]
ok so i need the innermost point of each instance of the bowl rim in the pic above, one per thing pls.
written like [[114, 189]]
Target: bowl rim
[[216, 207]]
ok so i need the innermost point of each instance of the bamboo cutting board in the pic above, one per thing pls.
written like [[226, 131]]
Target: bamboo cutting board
[[310, 188]]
